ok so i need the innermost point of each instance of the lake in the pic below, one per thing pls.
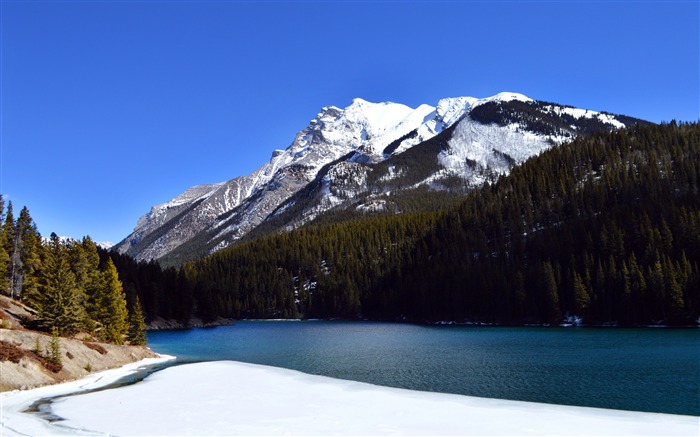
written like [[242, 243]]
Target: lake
[[654, 370]]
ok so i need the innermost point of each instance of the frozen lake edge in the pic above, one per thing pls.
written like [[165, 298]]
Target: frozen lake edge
[[230, 398]]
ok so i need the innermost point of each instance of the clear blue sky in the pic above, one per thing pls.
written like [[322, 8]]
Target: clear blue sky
[[110, 107]]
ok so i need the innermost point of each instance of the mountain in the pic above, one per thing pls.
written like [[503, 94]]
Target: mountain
[[603, 230], [367, 157]]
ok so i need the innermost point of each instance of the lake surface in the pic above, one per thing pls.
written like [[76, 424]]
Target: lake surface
[[656, 370]]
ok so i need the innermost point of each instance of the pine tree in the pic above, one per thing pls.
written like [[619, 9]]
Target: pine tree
[[111, 309], [57, 300], [673, 292], [581, 297], [85, 262], [12, 248], [54, 352], [4, 256], [31, 257], [551, 294], [137, 325]]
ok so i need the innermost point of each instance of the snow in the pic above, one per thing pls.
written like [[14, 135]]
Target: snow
[[451, 109], [586, 113], [382, 123], [13, 420], [503, 97], [477, 142], [231, 398]]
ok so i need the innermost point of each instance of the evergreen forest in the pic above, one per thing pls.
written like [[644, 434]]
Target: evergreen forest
[[71, 288], [604, 230]]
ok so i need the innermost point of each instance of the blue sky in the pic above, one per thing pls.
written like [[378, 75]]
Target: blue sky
[[110, 107]]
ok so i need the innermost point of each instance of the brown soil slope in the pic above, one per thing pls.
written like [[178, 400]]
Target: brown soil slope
[[21, 367]]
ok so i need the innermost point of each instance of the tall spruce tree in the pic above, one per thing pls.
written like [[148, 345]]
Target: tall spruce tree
[[551, 294], [582, 300], [30, 254], [85, 263], [9, 242], [137, 325], [4, 256], [57, 299], [111, 306]]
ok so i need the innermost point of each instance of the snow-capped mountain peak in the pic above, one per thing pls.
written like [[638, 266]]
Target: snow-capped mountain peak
[[328, 166], [505, 97], [452, 109]]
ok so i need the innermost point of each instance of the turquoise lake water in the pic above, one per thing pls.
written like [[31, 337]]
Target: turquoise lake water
[[655, 370]]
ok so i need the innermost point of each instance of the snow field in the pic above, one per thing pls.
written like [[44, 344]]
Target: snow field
[[232, 398], [14, 421]]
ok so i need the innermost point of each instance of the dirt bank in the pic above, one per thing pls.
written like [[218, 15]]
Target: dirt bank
[[77, 357], [24, 353]]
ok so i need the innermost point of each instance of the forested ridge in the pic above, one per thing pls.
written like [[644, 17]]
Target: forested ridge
[[604, 230]]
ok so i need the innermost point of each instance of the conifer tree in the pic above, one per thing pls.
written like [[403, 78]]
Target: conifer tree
[[30, 254], [137, 325], [57, 299], [551, 294], [581, 297], [8, 227], [54, 352], [85, 262], [12, 243], [4, 256], [673, 292], [111, 310]]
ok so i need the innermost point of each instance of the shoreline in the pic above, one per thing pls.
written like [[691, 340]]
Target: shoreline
[[165, 325], [256, 401], [14, 420]]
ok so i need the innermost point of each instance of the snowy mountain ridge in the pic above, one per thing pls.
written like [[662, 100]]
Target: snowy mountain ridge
[[334, 162]]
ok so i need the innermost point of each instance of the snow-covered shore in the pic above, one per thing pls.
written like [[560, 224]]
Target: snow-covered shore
[[14, 422], [232, 398]]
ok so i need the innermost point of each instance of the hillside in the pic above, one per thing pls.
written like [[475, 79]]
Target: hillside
[[604, 230], [22, 367]]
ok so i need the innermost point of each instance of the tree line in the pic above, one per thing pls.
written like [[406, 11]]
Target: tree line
[[603, 230], [66, 282]]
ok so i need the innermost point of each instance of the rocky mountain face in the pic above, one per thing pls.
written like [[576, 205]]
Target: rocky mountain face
[[367, 157]]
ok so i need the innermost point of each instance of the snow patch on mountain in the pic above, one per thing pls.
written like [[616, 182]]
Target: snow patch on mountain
[[473, 144], [585, 113], [447, 112], [412, 121]]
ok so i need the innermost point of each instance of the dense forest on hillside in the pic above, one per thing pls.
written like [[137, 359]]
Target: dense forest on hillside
[[605, 229], [66, 282]]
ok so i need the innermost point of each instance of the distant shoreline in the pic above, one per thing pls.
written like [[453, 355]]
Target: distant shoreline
[[163, 324]]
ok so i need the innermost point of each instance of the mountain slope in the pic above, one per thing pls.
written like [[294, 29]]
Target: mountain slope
[[604, 230], [362, 159]]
